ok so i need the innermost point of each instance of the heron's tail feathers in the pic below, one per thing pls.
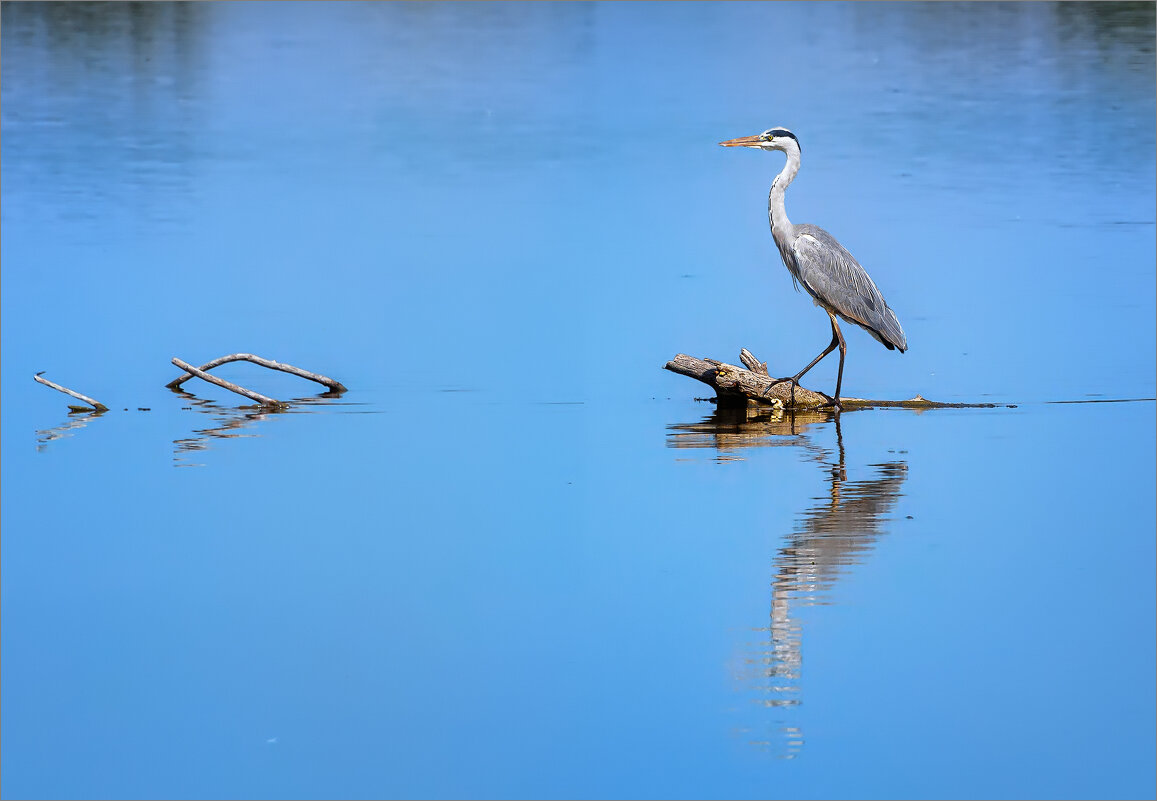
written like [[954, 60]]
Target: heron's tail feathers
[[890, 333], [886, 328]]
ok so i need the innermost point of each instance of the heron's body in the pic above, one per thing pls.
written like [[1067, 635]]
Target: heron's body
[[838, 283], [829, 273]]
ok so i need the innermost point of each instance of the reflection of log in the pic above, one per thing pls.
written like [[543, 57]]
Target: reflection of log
[[730, 428], [221, 382], [738, 386], [335, 386], [96, 405]]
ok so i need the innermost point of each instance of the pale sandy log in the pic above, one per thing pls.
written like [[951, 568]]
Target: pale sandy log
[[332, 385], [97, 405], [221, 382]]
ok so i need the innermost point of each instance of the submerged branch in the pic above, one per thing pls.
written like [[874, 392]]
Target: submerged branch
[[96, 405], [739, 386], [332, 385]]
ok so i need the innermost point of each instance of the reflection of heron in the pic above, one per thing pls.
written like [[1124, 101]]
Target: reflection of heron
[[830, 537], [830, 274], [835, 533]]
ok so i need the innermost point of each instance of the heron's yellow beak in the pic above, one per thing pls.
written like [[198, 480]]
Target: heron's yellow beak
[[743, 141]]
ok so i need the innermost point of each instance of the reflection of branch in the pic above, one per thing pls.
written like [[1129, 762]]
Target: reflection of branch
[[64, 430], [96, 405], [232, 420], [736, 384], [328, 383]]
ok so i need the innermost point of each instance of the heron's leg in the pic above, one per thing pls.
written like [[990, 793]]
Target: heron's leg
[[837, 339], [843, 352]]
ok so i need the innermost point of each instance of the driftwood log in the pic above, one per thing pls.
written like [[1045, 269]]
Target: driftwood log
[[751, 384]]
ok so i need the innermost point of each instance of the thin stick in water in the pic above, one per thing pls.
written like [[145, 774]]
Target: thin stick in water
[[97, 405]]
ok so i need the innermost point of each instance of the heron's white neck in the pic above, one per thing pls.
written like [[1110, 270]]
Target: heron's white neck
[[780, 224]]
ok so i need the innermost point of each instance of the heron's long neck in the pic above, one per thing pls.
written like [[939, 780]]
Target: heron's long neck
[[780, 224]]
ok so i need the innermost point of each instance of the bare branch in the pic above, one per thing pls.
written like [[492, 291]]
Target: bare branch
[[753, 364], [96, 405], [221, 382], [332, 385]]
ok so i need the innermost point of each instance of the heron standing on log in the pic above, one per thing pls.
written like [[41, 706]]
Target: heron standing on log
[[830, 274]]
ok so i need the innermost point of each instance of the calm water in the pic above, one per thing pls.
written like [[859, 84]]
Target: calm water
[[518, 558]]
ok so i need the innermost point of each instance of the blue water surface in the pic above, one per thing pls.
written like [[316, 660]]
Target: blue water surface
[[518, 558]]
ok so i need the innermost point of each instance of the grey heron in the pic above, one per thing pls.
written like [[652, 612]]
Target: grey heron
[[831, 275]]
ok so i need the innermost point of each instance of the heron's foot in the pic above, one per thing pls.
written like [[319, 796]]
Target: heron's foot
[[792, 380], [832, 403], [776, 382]]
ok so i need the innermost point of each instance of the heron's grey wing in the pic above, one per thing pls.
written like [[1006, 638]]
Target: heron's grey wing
[[840, 284]]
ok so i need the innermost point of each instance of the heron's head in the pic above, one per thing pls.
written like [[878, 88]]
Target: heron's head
[[771, 139]]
